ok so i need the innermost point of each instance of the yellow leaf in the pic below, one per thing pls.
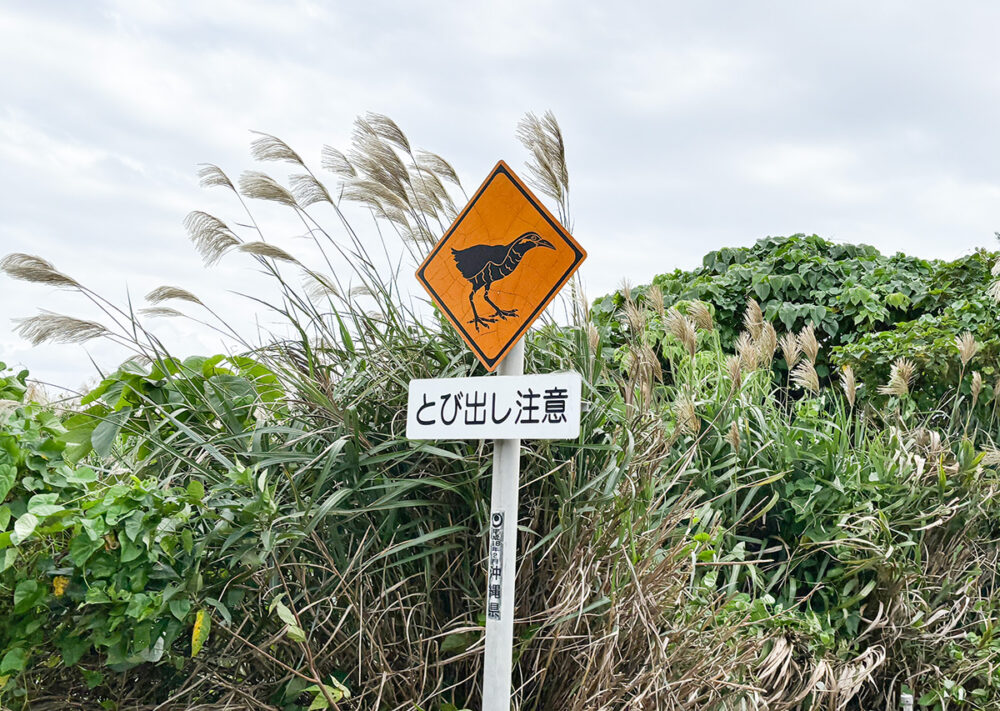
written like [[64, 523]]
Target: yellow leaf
[[200, 631], [59, 584]]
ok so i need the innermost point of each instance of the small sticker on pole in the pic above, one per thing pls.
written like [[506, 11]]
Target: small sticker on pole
[[494, 584]]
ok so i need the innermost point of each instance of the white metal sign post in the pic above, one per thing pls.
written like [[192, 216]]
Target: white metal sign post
[[502, 559], [508, 408]]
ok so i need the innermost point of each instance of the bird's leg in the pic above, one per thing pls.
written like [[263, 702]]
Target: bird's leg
[[476, 318], [502, 313]]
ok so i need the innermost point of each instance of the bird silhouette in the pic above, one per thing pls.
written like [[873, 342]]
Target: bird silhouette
[[483, 264]]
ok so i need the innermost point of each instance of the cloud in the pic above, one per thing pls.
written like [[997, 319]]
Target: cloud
[[657, 80], [689, 126], [827, 173]]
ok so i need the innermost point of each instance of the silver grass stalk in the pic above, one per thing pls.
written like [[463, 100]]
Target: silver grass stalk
[[426, 160], [8, 406], [375, 159], [416, 234], [580, 302], [319, 286], [805, 376], [733, 436], [337, 163], [636, 318], [430, 184], [593, 337], [747, 351], [848, 383], [427, 202], [171, 293], [307, 190], [210, 235], [688, 335], [160, 312], [630, 360], [701, 315], [378, 163], [790, 349], [977, 386], [656, 302], [56, 328], [687, 416], [387, 129], [808, 343], [682, 328], [994, 289], [767, 343], [265, 249], [373, 193], [650, 363], [139, 359], [626, 290], [271, 148], [967, 347], [397, 216], [734, 367], [391, 213], [426, 195], [900, 378], [753, 318], [27, 267], [543, 139], [260, 186], [211, 176]]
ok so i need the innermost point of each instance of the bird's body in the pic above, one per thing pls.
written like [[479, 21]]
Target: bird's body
[[483, 264]]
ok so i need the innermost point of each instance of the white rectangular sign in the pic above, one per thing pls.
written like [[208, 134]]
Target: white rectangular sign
[[500, 407]]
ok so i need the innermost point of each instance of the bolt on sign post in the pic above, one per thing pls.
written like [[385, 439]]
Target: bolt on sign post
[[492, 274]]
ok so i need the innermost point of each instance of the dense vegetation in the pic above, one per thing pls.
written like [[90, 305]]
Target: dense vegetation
[[744, 523], [869, 309]]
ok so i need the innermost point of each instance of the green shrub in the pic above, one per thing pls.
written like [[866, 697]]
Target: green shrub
[[108, 568], [868, 309], [929, 341]]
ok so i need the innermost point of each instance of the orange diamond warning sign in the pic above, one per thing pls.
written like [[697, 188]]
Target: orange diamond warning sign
[[499, 265]]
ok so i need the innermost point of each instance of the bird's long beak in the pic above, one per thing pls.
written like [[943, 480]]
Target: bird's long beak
[[545, 243]]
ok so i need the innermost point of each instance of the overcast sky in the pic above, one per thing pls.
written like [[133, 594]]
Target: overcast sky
[[689, 126]]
